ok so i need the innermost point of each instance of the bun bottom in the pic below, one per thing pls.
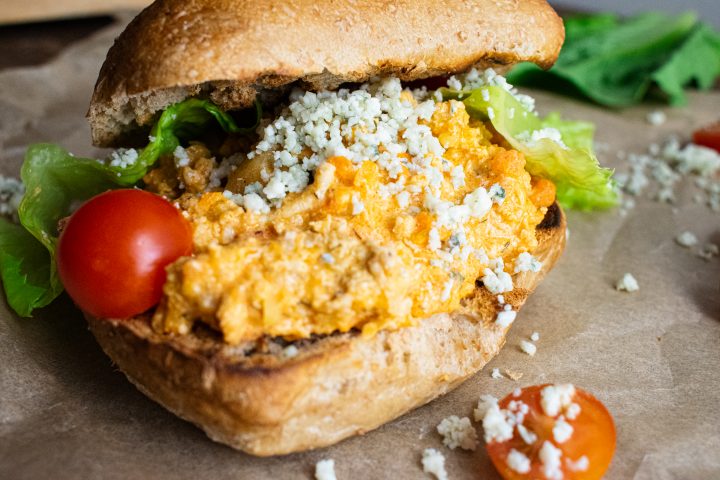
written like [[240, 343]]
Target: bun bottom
[[259, 399]]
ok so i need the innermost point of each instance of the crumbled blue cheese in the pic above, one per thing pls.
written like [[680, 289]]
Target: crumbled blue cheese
[[572, 411], [497, 193], [181, 157], [484, 404], [550, 457], [708, 251], [535, 336], [475, 79], [656, 117], [476, 204], [528, 347], [496, 373], [433, 463], [533, 138], [562, 431], [518, 461], [458, 432], [506, 317], [434, 242], [290, 351], [325, 470], [496, 425], [458, 176], [221, 172], [122, 157], [497, 280], [528, 437], [353, 124], [555, 398], [250, 201], [11, 193], [686, 239], [527, 263], [667, 165], [357, 204], [627, 283], [579, 465]]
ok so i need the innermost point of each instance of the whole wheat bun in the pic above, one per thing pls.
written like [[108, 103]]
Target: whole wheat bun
[[256, 399], [234, 50]]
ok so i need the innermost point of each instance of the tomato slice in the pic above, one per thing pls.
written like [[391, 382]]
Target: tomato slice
[[574, 442], [113, 251], [708, 136]]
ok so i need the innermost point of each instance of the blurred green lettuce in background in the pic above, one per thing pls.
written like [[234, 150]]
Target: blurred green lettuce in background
[[621, 62]]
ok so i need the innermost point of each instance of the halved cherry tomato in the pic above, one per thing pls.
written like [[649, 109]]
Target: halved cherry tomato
[[708, 136], [592, 437], [113, 251]]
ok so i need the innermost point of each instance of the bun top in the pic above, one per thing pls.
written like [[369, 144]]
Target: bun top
[[234, 50]]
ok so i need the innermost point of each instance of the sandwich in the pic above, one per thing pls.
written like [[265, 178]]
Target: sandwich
[[369, 204]]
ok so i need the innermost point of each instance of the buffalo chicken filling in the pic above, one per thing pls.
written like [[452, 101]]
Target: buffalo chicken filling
[[368, 209]]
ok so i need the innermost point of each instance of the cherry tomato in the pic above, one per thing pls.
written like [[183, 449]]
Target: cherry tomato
[[113, 251], [708, 136], [583, 455]]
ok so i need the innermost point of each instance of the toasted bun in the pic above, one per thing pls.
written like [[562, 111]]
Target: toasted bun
[[255, 399], [234, 50]]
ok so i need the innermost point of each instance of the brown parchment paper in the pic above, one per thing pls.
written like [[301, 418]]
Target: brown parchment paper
[[653, 356]]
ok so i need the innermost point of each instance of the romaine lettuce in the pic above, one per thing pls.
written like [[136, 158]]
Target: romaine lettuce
[[580, 180], [617, 62], [56, 183]]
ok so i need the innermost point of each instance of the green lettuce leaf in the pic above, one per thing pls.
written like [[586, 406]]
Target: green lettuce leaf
[[56, 182], [700, 49], [580, 180], [25, 270], [618, 62]]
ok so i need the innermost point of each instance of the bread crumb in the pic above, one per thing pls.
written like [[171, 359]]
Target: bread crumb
[[458, 432], [513, 375], [433, 462], [627, 284], [325, 470], [528, 347]]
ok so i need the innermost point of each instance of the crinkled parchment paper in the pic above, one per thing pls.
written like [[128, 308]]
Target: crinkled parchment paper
[[653, 356]]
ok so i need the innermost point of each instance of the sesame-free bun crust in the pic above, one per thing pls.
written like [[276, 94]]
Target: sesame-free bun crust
[[258, 400], [234, 50]]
